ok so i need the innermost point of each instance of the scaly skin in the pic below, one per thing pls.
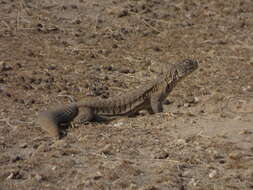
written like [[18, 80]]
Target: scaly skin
[[149, 97]]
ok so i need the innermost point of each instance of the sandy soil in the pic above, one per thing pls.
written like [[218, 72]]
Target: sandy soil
[[55, 52]]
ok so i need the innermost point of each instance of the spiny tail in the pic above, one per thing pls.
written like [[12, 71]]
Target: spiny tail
[[51, 120]]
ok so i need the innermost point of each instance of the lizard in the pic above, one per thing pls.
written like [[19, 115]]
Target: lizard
[[149, 97]]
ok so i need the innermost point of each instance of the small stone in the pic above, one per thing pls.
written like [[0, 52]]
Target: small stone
[[190, 100], [186, 105], [29, 102], [108, 68], [124, 70], [119, 124], [2, 80], [106, 149], [8, 94], [5, 67], [23, 145], [245, 132], [157, 48], [115, 46], [52, 67], [10, 176], [14, 175], [167, 102], [248, 173], [213, 174], [222, 161], [16, 158], [123, 13], [98, 176], [161, 155], [235, 155], [77, 21], [237, 118], [196, 99], [190, 114], [74, 6], [247, 88], [186, 173], [133, 186], [199, 148], [193, 121], [181, 141], [193, 182], [38, 177], [82, 62]]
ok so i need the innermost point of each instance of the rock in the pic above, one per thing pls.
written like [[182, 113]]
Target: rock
[[123, 13], [106, 149], [16, 158], [181, 141], [38, 177], [23, 145], [4, 67], [213, 174], [161, 155], [119, 124], [15, 175], [235, 155]]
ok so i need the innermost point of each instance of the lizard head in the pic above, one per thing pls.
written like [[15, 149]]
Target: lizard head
[[186, 67], [182, 69]]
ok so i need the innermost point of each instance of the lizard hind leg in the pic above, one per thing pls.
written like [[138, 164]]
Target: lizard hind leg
[[85, 115], [48, 124]]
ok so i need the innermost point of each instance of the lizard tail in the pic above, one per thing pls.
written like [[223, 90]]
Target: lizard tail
[[51, 120]]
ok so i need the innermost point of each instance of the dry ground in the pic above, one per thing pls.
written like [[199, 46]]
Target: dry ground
[[58, 51]]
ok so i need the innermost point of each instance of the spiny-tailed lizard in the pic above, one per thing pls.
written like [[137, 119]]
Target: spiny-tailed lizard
[[149, 97]]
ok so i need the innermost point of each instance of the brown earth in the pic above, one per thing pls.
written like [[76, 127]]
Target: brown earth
[[55, 52]]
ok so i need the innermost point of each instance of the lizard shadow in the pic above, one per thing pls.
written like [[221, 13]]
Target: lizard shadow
[[64, 127], [97, 119]]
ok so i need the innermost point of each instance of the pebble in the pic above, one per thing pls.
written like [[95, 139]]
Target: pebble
[[235, 155], [23, 145], [54, 168], [98, 176], [10, 176], [193, 182], [190, 100], [181, 141], [106, 149], [126, 70], [123, 13], [186, 174], [186, 105], [213, 174], [14, 175], [38, 177], [16, 158], [161, 155], [4, 66], [246, 132], [118, 124]]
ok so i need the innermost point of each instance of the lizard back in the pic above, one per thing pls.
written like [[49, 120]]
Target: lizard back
[[130, 102]]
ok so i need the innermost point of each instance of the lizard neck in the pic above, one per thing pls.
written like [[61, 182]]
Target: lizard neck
[[170, 81]]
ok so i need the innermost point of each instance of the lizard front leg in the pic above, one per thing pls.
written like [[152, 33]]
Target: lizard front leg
[[156, 103]]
